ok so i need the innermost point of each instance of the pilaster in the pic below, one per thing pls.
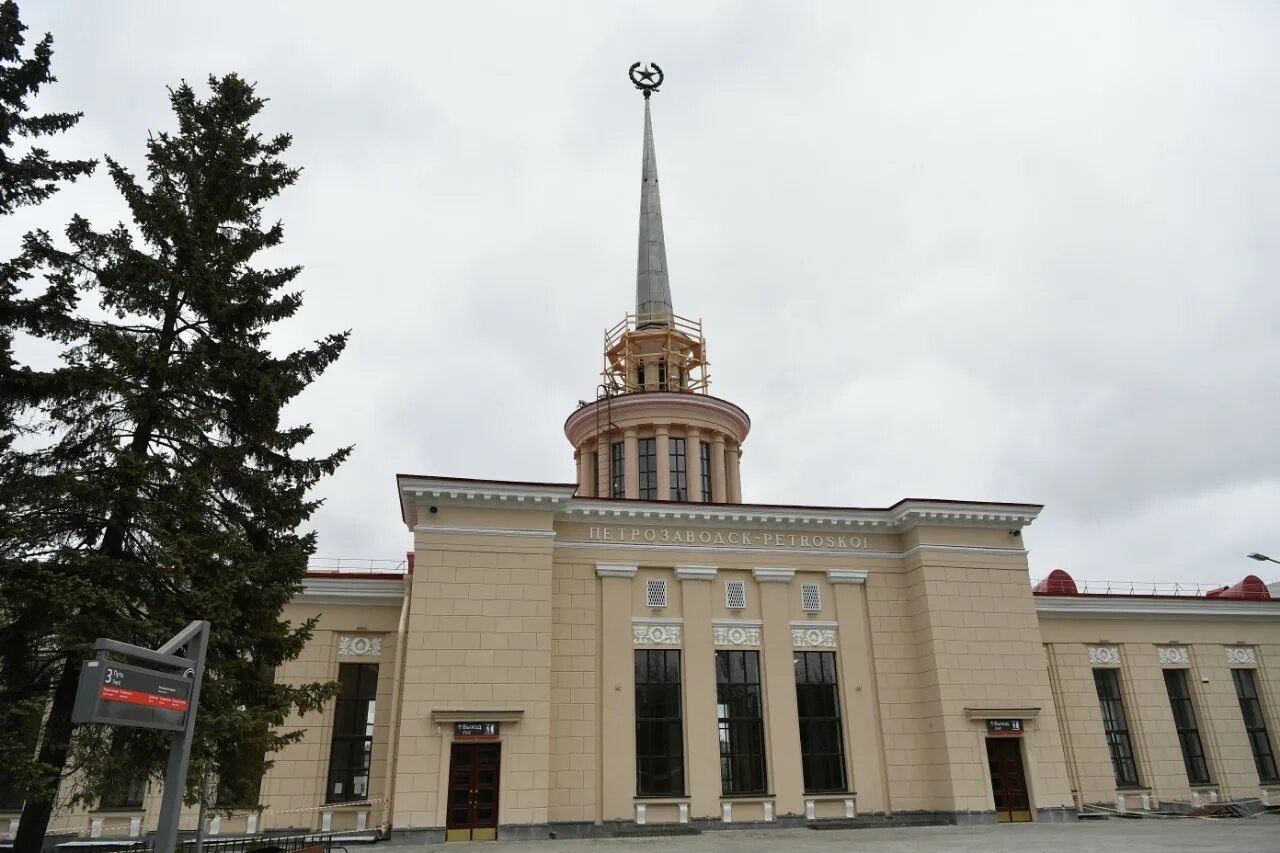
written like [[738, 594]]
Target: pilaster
[[783, 724], [861, 712], [617, 735], [702, 743]]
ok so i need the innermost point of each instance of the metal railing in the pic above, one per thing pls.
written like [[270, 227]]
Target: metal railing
[[1164, 589], [269, 843], [355, 566]]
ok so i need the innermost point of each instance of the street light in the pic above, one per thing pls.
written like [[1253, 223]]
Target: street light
[[1262, 558]]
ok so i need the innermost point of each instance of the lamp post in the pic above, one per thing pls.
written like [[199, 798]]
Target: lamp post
[[1262, 558]]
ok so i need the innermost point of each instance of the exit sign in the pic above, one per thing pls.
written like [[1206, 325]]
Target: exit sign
[[1005, 726], [475, 730]]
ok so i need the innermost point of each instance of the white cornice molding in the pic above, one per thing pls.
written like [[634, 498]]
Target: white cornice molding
[[696, 573], [804, 623], [581, 425], [773, 575], [893, 520], [1125, 607], [616, 570], [846, 575], [737, 623], [352, 590], [443, 492], [657, 620], [483, 531]]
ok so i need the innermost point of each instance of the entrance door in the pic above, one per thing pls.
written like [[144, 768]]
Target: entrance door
[[1008, 782], [473, 792]]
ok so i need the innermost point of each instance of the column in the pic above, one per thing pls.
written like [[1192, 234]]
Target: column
[[617, 692], [717, 469], [663, 435], [586, 467], [864, 752], [693, 462], [733, 482], [703, 744], [631, 451], [783, 723], [603, 486]]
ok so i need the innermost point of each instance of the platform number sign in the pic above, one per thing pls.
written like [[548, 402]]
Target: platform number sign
[[120, 694]]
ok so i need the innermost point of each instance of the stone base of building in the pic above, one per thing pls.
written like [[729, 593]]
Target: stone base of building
[[626, 828]]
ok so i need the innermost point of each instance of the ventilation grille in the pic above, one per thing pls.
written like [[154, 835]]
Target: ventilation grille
[[810, 597], [735, 595], [655, 593]]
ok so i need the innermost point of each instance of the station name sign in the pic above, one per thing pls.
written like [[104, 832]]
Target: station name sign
[[120, 694], [741, 538], [475, 730]]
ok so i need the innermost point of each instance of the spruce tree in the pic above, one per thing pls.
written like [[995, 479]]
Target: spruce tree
[[171, 490], [28, 175]]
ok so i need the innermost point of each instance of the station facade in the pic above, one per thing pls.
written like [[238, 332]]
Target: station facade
[[638, 648]]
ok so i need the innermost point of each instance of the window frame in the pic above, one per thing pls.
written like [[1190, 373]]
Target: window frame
[[678, 469], [355, 746], [647, 465], [807, 691], [1185, 723], [740, 720], [1256, 732], [618, 469], [669, 728], [1115, 727]]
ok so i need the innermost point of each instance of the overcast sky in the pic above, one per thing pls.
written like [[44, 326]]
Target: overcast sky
[[979, 251]]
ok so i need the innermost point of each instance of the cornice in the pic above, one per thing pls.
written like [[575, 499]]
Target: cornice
[[446, 491], [352, 590], [581, 424], [616, 570], [773, 575], [895, 519], [695, 573], [846, 575], [1132, 607], [483, 531]]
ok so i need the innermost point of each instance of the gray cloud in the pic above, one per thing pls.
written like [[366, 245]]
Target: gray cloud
[[988, 251]]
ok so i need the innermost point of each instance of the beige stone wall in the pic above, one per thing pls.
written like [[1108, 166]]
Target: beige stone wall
[[575, 627], [479, 639], [957, 631], [1161, 770]]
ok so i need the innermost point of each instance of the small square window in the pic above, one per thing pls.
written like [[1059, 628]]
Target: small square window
[[655, 593], [735, 595], [810, 597]]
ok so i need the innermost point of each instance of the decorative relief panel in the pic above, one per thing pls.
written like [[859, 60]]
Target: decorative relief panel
[[1173, 655], [1242, 656], [736, 635], [824, 638], [1105, 655], [656, 635], [359, 646]]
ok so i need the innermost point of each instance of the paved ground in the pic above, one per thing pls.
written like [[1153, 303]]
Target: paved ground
[[1248, 835]]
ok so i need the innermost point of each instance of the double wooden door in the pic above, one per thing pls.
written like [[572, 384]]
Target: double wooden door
[[473, 792], [1008, 781]]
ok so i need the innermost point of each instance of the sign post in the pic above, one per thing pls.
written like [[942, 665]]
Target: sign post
[[119, 694]]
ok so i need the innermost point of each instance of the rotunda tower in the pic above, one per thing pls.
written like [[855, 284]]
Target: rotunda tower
[[654, 431]]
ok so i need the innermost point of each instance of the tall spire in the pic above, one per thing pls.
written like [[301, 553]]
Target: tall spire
[[653, 287]]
